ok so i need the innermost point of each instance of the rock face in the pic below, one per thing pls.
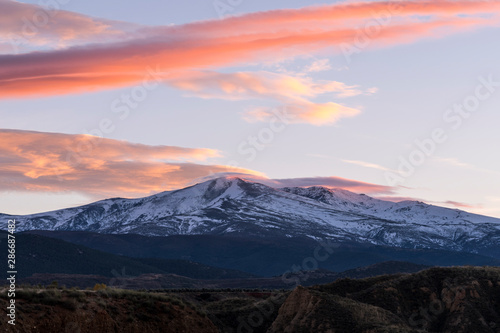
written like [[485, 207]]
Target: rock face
[[436, 300], [308, 309]]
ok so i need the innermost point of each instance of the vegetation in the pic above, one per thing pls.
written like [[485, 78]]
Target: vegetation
[[434, 300]]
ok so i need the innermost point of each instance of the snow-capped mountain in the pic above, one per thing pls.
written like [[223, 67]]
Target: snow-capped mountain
[[231, 205]]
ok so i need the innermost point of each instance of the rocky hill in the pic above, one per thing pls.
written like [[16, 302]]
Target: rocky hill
[[444, 300], [462, 299]]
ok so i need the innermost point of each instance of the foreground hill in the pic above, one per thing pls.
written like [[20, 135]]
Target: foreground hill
[[445, 300], [461, 299], [234, 206], [53, 310]]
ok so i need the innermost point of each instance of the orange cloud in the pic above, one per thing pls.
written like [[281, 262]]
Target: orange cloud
[[52, 162], [292, 91], [232, 41], [305, 112], [244, 85], [102, 168]]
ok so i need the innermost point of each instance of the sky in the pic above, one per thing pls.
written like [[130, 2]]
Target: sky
[[395, 99]]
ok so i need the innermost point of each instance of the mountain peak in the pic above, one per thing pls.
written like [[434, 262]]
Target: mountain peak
[[235, 205]]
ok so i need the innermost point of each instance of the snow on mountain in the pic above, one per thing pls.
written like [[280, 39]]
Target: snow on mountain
[[231, 205], [404, 211]]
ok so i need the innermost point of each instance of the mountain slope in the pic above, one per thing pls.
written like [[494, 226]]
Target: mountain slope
[[39, 254], [263, 256], [234, 206]]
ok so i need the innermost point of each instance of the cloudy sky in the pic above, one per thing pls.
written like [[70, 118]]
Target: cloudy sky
[[399, 100]]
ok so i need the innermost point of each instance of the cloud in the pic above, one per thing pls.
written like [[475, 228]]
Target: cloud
[[319, 66], [305, 112], [293, 92], [449, 203], [102, 168], [368, 165], [460, 205], [493, 199], [331, 182], [262, 84], [26, 26], [53, 162], [335, 182], [397, 198], [457, 163], [454, 162], [207, 45]]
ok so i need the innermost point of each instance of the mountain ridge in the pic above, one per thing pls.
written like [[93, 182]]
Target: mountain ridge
[[235, 206]]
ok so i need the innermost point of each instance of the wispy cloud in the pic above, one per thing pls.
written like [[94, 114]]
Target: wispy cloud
[[459, 164], [460, 205], [368, 165], [447, 203], [319, 66], [493, 199]]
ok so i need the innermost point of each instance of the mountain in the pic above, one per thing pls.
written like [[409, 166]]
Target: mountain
[[38, 254], [262, 256], [237, 207]]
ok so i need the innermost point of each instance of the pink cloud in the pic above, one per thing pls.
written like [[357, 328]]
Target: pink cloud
[[455, 204], [232, 41], [334, 182], [397, 199], [461, 205], [330, 182]]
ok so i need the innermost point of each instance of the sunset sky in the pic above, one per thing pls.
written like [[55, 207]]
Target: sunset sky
[[399, 100]]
